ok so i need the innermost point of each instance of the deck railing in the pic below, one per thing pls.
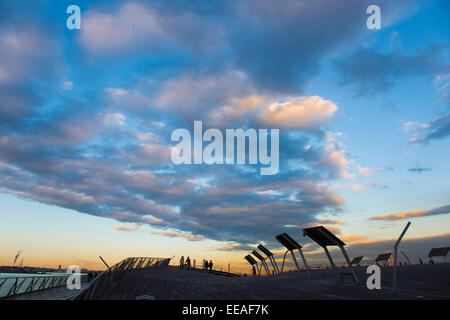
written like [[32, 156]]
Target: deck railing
[[107, 278], [15, 285]]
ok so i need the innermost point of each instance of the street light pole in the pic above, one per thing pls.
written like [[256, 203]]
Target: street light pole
[[394, 282]]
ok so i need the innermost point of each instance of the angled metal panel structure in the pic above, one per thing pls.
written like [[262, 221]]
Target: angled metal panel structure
[[139, 263], [356, 260], [250, 259], [290, 244], [269, 255], [325, 238], [439, 252], [266, 251], [252, 262], [383, 257], [263, 262]]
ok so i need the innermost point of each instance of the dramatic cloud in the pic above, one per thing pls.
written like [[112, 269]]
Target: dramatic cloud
[[86, 115], [230, 206], [416, 213]]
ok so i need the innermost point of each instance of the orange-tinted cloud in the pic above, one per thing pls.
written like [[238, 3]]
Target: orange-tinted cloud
[[230, 247], [303, 112], [353, 238], [415, 213], [334, 229], [234, 247], [132, 228], [154, 221], [331, 221], [175, 234]]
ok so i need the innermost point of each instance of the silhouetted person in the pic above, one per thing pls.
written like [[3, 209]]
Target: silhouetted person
[[254, 270], [188, 263], [210, 265], [181, 262], [206, 265]]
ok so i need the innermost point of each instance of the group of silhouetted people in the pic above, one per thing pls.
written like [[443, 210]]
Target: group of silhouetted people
[[206, 265], [183, 264]]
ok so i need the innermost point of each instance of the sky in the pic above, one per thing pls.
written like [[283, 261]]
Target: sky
[[86, 117]]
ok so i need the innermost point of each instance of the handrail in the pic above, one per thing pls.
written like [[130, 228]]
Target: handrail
[[17, 285]]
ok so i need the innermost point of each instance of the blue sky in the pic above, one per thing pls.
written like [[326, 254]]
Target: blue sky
[[86, 118]]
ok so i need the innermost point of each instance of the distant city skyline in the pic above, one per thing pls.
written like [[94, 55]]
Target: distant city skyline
[[86, 118]]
